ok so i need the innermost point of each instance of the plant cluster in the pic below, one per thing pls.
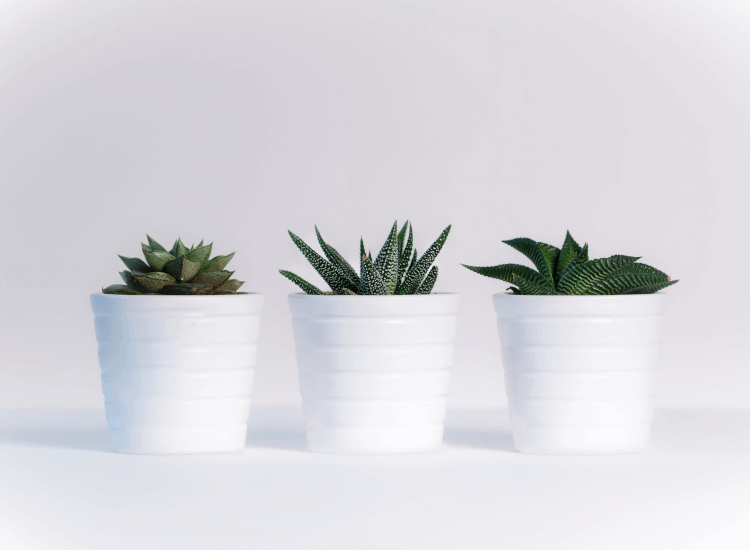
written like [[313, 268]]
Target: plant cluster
[[568, 270], [397, 269], [181, 270]]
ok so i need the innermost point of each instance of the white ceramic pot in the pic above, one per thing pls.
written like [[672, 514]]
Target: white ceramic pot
[[373, 370], [580, 371], [177, 370]]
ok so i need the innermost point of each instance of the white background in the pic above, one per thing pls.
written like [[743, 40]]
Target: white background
[[625, 122]]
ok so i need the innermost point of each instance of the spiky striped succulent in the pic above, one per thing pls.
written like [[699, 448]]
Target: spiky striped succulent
[[568, 270], [397, 269], [181, 270]]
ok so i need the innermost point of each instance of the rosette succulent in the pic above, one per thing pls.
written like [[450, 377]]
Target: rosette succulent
[[397, 269], [568, 270], [181, 270]]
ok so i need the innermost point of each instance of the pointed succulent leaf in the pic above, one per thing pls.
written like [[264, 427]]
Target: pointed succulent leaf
[[580, 258], [154, 281], [218, 263], [135, 264], [363, 288], [200, 254], [405, 255], [585, 276], [308, 288], [154, 246], [200, 244], [415, 275], [127, 277], [630, 275], [213, 279], [120, 289], [551, 255], [186, 289], [179, 249], [375, 284], [232, 285], [346, 291], [526, 279], [387, 261], [182, 269], [157, 259], [533, 252], [513, 290], [344, 268], [327, 271], [429, 281], [568, 252], [401, 239], [648, 289]]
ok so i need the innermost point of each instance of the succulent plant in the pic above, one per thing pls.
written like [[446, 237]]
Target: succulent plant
[[397, 269], [181, 270], [568, 270]]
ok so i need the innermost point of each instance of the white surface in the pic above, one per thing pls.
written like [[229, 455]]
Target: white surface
[[625, 121], [61, 488], [177, 371], [374, 370], [580, 371]]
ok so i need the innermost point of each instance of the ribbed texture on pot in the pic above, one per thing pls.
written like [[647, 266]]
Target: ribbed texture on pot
[[373, 370], [580, 371], [177, 371]]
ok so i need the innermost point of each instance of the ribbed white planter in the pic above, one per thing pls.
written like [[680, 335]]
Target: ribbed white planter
[[373, 370], [177, 370], [580, 371]]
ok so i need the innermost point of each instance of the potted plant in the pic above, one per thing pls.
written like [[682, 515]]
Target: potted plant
[[374, 353], [580, 343], [177, 351]]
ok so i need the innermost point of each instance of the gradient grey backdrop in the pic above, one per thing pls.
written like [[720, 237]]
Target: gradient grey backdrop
[[626, 122]]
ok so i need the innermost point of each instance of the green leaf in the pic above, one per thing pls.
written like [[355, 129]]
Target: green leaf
[[526, 279], [182, 269], [179, 249], [154, 281], [344, 268], [135, 264], [186, 289], [405, 255], [200, 244], [415, 275], [583, 277], [154, 246], [649, 289], [200, 254], [212, 278], [551, 255], [157, 259], [347, 292], [119, 289], [580, 258], [568, 252], [363, 288], [401, 238], [127, 277], [429, 281], [387, 261], [533, 252], [327, 271], [218, 263], [308, 288], [232, 285], [631, 275], [375, 284], [513, 290]]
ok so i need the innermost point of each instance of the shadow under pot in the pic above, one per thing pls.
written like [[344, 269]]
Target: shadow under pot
[[374, 370], [177, 370], [580, 371]]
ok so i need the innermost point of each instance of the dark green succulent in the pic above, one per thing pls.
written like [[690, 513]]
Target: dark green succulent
[[181, 270], [397, 269], [568, 270]]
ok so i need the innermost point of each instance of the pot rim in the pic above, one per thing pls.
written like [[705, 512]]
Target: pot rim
[[181, 296], [588, 297], [301, 295]]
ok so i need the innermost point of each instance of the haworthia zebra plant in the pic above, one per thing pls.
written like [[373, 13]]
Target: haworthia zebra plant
[[181, 270], [568, 270], [397, 269]]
